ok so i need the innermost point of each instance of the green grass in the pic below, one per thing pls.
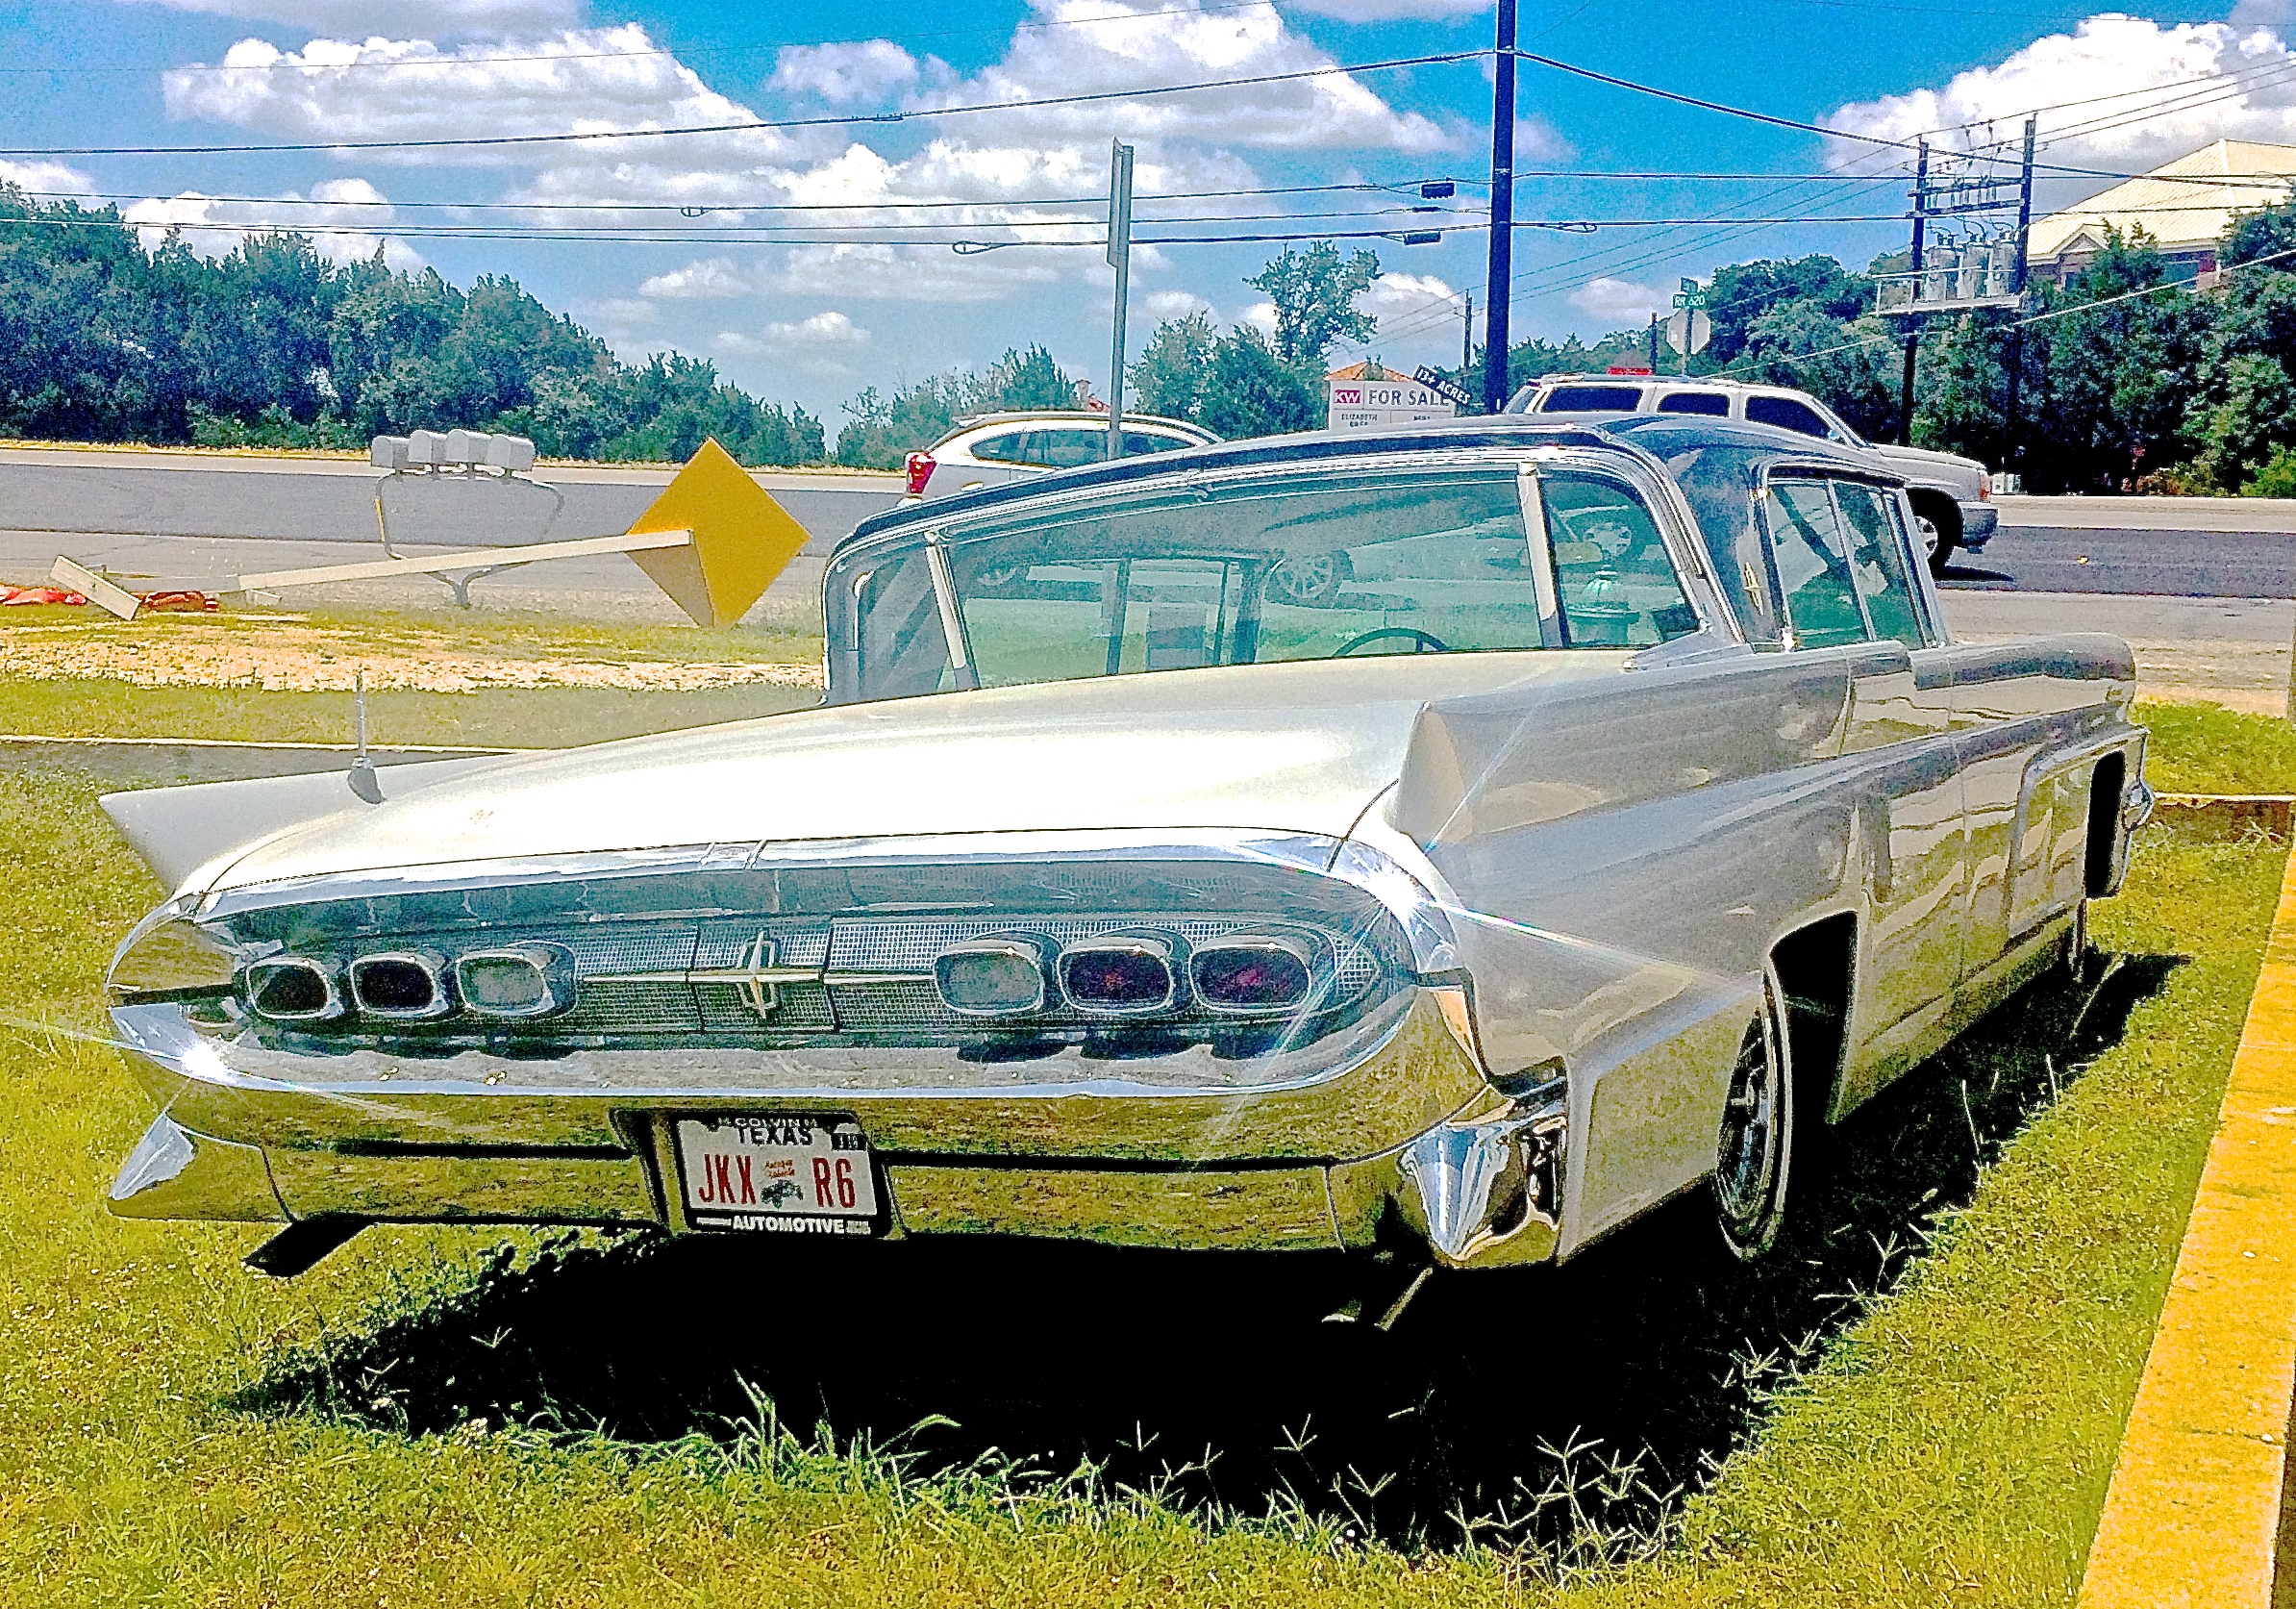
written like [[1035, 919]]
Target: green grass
[[2205, 748], [1953, 1445]]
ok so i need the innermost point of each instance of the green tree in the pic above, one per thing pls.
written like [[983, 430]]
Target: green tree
[[1854, 369], [1250, 391], [1741, 293], [2248, 419], [1314, 294], [1170, 377], [2269, 232]]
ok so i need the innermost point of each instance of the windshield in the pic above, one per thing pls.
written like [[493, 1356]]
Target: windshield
[[1261, 570]]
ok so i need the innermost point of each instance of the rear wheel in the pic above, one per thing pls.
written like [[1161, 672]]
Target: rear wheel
[[1937, 527], [1754, 1152]]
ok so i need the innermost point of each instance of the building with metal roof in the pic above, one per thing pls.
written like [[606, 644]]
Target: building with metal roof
[[2186, 206]]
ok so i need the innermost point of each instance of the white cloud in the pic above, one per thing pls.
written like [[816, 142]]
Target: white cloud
[[843, 72], [1396, 297], [2269, 13], [1125, 44], [2104, 56], [47, 179], [1615, 303], [1173, 304], [713, 278], [353, 16], [576, 81], [347, 219], [904, 274], [1260, 317], [803, 335]]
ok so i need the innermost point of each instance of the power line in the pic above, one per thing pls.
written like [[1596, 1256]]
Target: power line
[[691, 210], [426, 232], [752, 126]]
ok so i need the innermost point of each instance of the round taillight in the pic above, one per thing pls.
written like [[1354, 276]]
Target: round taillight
[[991, 977], [1126, 975], [1252, 974], [400, 987], [292, 988]]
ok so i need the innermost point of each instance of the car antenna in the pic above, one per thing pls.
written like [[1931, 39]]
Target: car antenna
[[362, 778]]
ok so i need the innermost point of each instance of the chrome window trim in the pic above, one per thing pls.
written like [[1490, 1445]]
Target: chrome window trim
[[1642, 476], [952, 619], [1540, 547]]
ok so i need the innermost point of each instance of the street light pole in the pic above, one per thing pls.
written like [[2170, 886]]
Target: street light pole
[[1499, 290], [1119, 257]]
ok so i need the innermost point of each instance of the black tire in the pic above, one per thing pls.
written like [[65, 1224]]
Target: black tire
[[1938, 530], [1754, 1152]]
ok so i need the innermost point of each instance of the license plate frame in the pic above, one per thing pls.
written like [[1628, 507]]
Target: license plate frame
[[762, 1172]]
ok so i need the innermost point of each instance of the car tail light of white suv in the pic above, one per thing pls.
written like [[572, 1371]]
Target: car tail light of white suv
[[920, 470]]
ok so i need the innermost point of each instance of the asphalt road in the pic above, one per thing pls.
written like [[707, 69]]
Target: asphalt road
[[70, 493], [2166, 563]]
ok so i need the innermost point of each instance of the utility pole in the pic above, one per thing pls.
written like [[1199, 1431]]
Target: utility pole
[[2010, 463], [1921, 200], [1120, 258], [1467, 340], [1653, 344], [1499, 290]]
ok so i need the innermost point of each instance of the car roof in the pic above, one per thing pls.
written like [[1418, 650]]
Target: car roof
[[1069, 416], [1677, 382], [1668, 436]]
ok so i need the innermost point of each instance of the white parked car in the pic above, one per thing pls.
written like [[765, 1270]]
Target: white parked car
[[1952, 496], [994, 448]]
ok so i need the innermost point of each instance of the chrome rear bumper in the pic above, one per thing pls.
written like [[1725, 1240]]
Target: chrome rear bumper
[[1410, 1134]]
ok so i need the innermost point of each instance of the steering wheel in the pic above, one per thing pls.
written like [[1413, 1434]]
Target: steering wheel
[[1426, 644]]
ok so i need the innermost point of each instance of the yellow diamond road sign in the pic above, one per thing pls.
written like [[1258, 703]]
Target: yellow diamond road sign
[[741, 539]]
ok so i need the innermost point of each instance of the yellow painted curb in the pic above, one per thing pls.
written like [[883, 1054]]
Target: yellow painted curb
[[2194, 1506]]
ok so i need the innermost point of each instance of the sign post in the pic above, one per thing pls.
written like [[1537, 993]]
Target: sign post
[[1689, 329], [1119, 259]]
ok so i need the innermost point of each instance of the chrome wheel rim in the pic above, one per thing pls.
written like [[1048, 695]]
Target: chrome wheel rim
[[1750, 1160]]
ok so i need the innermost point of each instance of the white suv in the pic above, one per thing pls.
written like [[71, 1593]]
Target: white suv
[[1952, 496], [996, 447]]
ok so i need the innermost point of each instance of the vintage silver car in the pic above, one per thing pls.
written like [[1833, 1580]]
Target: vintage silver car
[[1628, 817]]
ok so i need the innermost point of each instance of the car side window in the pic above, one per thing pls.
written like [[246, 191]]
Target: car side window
[[1813, 569], [1786, 414], [1878, 562], [1592, 399], [1139, 443], [1011, 447], [1069, 449], [1714, 404], [1614, 580]]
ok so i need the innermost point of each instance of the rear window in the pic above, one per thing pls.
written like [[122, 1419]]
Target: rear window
[[1592, 399], [1786, 414], [1715, 403], [1011, 447], [1139, 443]]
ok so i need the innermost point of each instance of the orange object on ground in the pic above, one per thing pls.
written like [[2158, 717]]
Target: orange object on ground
[[187, 603], [39, 594]]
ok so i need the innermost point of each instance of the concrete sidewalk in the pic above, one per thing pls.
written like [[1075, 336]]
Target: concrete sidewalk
[[2194, 1514]]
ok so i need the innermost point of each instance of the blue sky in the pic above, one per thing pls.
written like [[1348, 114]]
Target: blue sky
[[814, 322]]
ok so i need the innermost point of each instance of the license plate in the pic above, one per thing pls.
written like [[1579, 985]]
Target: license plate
[[792, 1176]]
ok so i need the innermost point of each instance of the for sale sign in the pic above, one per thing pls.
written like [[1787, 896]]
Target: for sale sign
[[1377, 404]]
